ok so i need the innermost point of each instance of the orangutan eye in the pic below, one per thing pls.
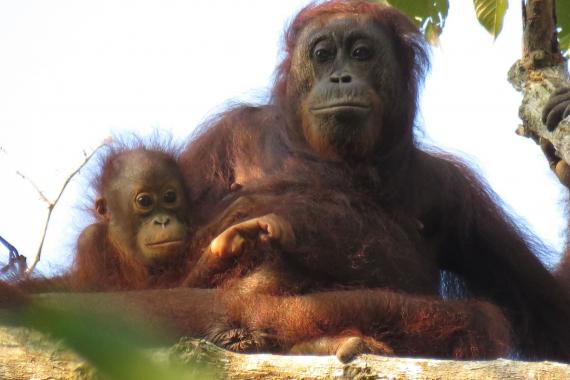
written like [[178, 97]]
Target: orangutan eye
[[169, 196], [323, 55], [323, 51], [362, 53], [144, 201]]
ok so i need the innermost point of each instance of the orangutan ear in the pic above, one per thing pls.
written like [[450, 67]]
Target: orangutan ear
[[101, 207]]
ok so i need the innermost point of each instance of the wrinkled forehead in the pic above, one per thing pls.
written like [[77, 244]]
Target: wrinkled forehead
[[342, 27], [143, 168]]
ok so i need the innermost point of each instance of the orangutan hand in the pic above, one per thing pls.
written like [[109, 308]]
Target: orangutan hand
[[267, 229]]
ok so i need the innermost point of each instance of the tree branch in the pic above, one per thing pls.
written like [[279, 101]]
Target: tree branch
[[51, 205], [540, 40], [25, 354], [540, 71]]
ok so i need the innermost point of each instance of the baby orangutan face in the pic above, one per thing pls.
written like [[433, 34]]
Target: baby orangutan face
[[145, 206]]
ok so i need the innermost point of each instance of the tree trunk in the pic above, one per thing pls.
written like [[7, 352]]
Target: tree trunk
[[541, 70]]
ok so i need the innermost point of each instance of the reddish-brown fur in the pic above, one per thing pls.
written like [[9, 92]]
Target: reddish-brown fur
[[105, 258], [259, 291], [391, 221], [102, 264]]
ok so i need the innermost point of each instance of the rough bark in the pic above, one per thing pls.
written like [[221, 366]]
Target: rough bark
[[25, 354], [540, 41], [29, 355], [536, 86], [541, 70]]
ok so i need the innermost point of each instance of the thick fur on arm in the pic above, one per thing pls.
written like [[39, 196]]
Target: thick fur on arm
[[98, 266], [343, 236], [226, 152], [482, 239], [417, 326]]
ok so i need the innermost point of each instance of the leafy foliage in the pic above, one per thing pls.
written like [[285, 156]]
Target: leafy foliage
[[490, 14], [429, 15], [563, 21], [111, 346]]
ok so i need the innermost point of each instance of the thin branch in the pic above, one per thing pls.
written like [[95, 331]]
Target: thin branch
[[35, 186], [51, 205]]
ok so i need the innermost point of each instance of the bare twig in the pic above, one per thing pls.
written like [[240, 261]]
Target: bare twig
[[38, 190], [51, 205]]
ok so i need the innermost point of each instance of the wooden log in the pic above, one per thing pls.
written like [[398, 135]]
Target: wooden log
[[29, 355], [25, 354]]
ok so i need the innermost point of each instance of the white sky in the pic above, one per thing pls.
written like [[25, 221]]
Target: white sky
[[72, 72]]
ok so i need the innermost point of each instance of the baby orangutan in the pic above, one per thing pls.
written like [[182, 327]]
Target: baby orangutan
[[141, 236]]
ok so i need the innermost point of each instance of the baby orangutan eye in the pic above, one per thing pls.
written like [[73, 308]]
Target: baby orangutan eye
[[169, 196], [144, 201]]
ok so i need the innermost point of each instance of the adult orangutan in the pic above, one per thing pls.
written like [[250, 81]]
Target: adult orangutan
[[369, 208], [365, 206], [271, 300]]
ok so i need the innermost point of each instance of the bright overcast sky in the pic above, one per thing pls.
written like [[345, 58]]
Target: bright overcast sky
[[72, 72]]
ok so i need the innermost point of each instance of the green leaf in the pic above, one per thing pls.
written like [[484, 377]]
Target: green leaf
[[491, 13], [563, 21], [432, 32], [113, 347], [428, 15]]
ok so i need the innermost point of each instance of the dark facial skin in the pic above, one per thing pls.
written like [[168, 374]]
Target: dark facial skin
[[145, 206], [346, 73]]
